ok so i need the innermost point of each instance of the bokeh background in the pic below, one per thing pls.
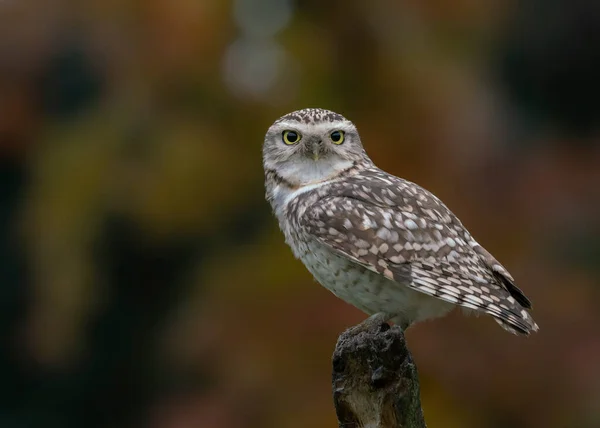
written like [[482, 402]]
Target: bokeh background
[[143, 279]]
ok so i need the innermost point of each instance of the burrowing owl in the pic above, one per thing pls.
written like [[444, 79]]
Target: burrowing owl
[[379, 242]]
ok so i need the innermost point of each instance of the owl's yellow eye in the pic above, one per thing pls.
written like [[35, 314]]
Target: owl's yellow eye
[[291, 137], [337, 137]]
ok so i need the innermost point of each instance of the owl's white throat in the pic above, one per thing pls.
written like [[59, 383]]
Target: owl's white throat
[[304, 176], [306, 172]]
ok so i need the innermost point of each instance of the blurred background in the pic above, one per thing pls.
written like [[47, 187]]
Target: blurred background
[[143, 279]]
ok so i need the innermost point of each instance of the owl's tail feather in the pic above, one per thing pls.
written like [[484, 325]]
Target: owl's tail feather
[[518, 328]]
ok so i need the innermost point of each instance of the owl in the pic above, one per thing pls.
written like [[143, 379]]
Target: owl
[[381, 243]]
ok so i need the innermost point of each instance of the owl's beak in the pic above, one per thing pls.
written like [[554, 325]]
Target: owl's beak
[[315, 148]]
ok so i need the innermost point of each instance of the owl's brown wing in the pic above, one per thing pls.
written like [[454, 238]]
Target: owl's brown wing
[[424, 252], [376, 187]]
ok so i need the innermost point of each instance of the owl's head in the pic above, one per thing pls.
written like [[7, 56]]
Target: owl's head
[[311, 145]]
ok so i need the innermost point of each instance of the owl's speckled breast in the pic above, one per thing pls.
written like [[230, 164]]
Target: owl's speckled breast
[[368, 291], [347, 280]]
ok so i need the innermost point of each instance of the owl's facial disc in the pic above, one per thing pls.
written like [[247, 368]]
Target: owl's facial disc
[[311, 146]]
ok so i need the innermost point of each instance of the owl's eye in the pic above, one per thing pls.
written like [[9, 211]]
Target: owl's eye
[[291, 137], [337, 137]]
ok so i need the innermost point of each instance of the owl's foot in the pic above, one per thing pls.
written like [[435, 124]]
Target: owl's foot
[[375, 321]]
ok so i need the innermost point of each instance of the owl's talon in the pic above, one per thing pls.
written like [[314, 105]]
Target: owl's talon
[[376, 321]]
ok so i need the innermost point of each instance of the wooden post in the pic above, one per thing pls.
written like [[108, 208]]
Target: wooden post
[[375, 382]]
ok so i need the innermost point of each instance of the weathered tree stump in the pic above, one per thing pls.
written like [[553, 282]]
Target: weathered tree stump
[[375, 382]]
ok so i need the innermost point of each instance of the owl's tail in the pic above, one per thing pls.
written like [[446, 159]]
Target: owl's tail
[[525, 326]]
